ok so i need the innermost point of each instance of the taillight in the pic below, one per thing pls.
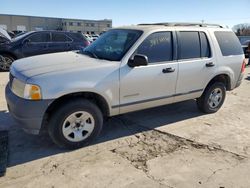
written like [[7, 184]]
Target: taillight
[[243, 66]]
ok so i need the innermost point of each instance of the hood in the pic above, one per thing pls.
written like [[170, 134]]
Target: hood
[[4, 34], [55, 63]]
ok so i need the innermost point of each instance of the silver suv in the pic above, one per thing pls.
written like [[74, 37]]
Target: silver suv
[[126, 69]]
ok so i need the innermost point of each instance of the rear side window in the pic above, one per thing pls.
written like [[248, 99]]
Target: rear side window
[[157, 47], [192, 45], [77, 36], [39, 37], [189, 45], [229, 43], [60, 37]]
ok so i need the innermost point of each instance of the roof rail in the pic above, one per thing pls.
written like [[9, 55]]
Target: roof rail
[[185, 24]]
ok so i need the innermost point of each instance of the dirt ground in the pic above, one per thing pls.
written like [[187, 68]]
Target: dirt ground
[[170, 146]]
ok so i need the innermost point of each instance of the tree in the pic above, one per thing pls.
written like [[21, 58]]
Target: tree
[[242, 29]]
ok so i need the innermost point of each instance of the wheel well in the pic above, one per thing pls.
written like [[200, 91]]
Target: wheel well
[[93, 97], [8, 53], [224, 78]]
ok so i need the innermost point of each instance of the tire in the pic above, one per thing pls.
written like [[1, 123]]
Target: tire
[[212, 99], [5, 62], [67, 127]]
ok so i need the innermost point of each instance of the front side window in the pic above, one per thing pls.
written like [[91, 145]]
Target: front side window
[[157, 47], [113, 44], [189, 45], [60, 37], [40, 37]]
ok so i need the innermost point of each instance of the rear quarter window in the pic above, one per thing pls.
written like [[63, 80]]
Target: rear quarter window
[[229, 43], [60, 37], [77, 37]]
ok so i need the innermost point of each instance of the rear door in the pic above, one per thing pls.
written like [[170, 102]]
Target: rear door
[[36, 44], [60, 42], [197, 64]]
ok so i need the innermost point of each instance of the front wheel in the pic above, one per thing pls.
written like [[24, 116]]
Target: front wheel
[[213, 98], [75, 124]]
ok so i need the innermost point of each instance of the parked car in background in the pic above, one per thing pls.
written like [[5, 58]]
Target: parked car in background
[[11, 34], [126, 69], [88, 37], [95, 36], [16, 32], [4, 36], [245, 40], [4, 33], [19, 33], [3, 39], [39, 42]]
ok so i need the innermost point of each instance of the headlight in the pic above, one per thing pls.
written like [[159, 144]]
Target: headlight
[[32, 92], [27, 91]]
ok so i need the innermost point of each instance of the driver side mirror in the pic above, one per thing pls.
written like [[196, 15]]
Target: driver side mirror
[[139, 60]]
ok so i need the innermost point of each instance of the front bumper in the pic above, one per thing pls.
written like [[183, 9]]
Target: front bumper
[[29, 114]]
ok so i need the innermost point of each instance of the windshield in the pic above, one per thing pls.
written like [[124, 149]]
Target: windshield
[[113, 44], [20, 37]]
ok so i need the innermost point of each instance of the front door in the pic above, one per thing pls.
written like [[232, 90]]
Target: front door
[[36, 44], [154, 84]]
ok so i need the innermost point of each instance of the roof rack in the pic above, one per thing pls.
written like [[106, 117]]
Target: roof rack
[[185, 24]]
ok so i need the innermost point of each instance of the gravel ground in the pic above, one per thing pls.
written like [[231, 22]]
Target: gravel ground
[[170, 146]]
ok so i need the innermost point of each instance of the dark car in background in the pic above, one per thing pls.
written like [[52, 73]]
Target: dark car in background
[[244, 40], [39, 42]]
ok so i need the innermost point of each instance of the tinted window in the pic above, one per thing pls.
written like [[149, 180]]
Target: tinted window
[[205, 47], [189, 45], [77, 36], [229, 43], [60, 37], [39, 37], [157, 47]]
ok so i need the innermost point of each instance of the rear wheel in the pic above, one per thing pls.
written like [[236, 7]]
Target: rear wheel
[[5, 62], [213, 98], [75, 124]]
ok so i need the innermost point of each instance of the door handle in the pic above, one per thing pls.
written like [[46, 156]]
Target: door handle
[[210, 64], [168, 70]]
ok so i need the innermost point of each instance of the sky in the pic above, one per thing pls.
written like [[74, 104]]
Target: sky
[[127, 12]]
